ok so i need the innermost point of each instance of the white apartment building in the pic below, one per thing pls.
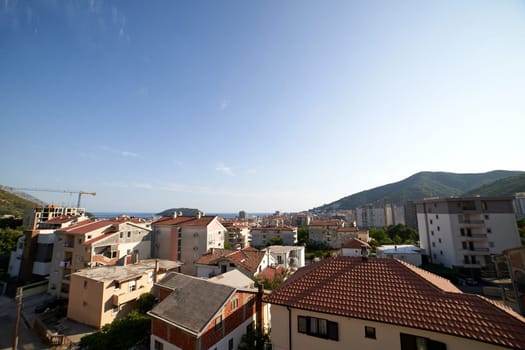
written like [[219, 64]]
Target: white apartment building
[[466, 232], [262, 236]]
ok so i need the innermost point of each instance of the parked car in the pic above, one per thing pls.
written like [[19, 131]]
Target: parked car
[[48, 305]]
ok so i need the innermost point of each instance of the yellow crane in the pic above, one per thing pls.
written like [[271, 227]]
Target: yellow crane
[[80, 193]]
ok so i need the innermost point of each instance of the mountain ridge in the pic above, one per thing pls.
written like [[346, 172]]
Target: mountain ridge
[[418, 186]]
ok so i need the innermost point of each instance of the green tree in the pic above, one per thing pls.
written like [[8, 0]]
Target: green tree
[[121, 334], [253, 339], [276, 240], [8, 239], [145, 302], [303, 235]]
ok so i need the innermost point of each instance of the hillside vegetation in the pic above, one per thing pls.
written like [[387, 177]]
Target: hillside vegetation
[[421, 185], [11, 204], [503, 187]]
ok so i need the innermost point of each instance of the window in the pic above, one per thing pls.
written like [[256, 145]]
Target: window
[[318, 327], [462, 231], [432, 232], [413, 342], [230, 344], [491, 244], [234, 303], [117, 285], [218, 323], [129, 234], [486, 216], [484, 205], [437, 216], [370, 332], [433, 244], [441, 252], [121, 234], [439, 228], [132, 285], [115, 310], [158, 345], [489, 230], [85, 284], [439, 240], [79, 241], [431, 221]]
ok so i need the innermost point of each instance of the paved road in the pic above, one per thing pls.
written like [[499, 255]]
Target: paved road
[[27, 339]]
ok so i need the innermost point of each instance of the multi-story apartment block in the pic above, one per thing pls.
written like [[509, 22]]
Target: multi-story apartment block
[[466, 232], [262, 236], [35, 248], [369, 303], [519, 204], [99, 295], [92, 243], [322, 231], [186, 238], [380, 216], [238, 235], [34, 216]]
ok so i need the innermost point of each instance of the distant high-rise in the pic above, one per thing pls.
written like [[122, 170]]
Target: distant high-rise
[[243, 215]]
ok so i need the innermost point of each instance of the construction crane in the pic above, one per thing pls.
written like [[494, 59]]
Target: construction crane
[[80, 193]]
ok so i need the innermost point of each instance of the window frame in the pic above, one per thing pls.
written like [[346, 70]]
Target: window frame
[[318, 327]]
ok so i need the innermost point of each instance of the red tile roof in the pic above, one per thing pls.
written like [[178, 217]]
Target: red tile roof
[[390, 291], [87, 226], [185, 220], [61, 219], [347, 229], [274, 228], [355, 243], [325, 223], [248, 258]]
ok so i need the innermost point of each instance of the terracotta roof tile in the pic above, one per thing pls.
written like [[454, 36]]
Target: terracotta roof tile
[[355, 243], [185, 220], [334, 222], [248, 258], [390, 291]]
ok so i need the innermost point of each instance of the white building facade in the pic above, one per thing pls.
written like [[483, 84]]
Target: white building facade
[[466, 232]]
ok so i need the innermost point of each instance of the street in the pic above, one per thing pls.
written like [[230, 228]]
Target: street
[[27, 339]]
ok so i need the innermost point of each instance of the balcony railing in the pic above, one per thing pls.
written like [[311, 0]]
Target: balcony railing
[[472, 222], [124, 295]]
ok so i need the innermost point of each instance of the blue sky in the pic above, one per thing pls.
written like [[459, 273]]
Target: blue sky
[[261, 106]]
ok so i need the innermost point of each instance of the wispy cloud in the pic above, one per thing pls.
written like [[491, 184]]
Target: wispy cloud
[[127, 154], [251, 171], [224, 169], [144, 186], [224, 104]]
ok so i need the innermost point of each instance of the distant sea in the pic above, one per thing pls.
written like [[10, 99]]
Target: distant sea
[[146, 215]]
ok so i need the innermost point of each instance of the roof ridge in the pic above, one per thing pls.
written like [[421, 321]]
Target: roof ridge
[[438, 282]]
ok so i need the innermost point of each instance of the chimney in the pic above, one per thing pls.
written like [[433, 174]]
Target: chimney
[[156, 271], [174, 215]]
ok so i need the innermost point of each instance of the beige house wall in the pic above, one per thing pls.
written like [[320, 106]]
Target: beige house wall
[[96, 303], [352, 334]]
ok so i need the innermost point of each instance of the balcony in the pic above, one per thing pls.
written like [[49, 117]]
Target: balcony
[[104, 260], [472, 222], [124, 295]]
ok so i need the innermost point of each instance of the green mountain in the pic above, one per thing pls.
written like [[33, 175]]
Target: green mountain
[[503, 187], [11, 204], [418, 186], [184, 211]]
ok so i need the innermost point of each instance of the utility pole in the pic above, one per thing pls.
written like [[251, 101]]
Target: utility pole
[[19, 311]]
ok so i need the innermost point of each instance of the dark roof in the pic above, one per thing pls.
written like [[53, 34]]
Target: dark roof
[[193, 303], [391, 291]]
